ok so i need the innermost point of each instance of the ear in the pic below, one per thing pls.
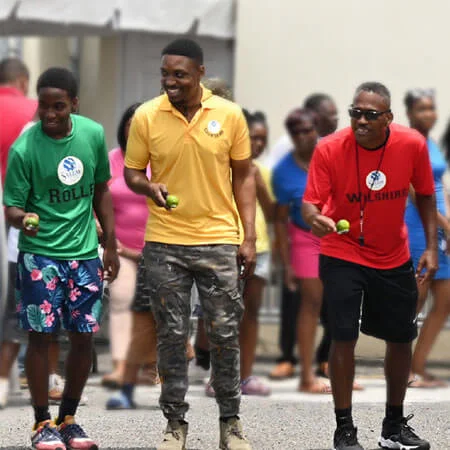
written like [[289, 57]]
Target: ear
[[389, 118], [201, 70], [75, 105]]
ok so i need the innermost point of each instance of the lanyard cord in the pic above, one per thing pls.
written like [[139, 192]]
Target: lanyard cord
[[363, 201]]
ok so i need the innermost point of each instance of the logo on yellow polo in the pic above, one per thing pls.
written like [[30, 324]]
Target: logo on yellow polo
[[214, 129]]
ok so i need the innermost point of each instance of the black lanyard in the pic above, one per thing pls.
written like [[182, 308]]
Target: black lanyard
[[363, 200]]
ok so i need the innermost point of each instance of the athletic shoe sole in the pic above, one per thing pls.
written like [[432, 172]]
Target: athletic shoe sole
[[387, 443]]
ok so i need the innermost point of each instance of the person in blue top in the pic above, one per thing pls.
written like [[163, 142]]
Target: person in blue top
[[421, 111], [298, 247]]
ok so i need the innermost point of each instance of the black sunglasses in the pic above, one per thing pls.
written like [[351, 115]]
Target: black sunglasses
[[369, 114]]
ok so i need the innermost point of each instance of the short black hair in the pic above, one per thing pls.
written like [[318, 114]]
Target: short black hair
[[299, 115], [313, 101], [126, 116], [59, 78], [184, 47], [11, 69], [413, 95], [256, 117], [376, 88]]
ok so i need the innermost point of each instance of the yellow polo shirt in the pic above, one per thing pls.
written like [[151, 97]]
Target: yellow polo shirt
[[193, 159]]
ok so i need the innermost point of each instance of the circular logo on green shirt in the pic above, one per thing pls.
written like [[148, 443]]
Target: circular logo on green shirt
[[70, 170]]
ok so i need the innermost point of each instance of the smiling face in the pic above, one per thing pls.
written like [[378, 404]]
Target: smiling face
[[54, 109], [180, 78], [371, 133]]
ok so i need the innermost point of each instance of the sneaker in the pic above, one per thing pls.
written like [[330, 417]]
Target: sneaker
[[345, 438], [55, 387], [120, 401], [398, 434], [4, 390], [74, 436], [174, 436], [45, 436], [254, 386], [232, 436]]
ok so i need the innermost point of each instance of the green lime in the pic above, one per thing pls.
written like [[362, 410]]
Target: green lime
[[343, 226], [32, 223], [172, 201]]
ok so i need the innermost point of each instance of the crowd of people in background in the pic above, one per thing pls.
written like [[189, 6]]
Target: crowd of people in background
[[242, 211]]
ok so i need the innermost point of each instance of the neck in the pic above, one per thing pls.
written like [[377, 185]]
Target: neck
[[190, 106], [376, 145]]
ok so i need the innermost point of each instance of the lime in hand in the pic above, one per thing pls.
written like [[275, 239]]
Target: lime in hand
[[172, 201], [31, 223], [343, 226]]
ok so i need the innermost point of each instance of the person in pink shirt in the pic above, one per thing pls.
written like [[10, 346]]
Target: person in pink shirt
[[16, 110], [130, 212]]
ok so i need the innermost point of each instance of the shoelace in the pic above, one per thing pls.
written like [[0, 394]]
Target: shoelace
[[49, 433], [407, 429]]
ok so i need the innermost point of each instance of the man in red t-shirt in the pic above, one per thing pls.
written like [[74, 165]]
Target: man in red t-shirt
[[362, 174], [16, 110]]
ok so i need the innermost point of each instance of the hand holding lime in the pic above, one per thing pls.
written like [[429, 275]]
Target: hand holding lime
[[343, 226], [172, 201], [31, 223]]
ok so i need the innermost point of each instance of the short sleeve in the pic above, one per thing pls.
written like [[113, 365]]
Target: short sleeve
[[280, 187], [17, 182], [318, 185], [137, 155], [422, 179], [102, 171], [240, 148]]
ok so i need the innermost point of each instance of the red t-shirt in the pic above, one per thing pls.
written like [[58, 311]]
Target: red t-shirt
[[16, 111], [333, 187]]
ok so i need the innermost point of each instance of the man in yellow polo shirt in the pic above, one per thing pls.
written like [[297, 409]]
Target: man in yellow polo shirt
[[192, 140]]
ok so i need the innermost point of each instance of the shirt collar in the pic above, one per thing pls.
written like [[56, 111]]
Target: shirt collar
[[208, 101]]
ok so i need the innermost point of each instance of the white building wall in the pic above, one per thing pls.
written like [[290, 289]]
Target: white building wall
[[288, 49]]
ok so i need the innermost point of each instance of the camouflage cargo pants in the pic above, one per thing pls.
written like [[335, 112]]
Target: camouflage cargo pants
[[172, 270]]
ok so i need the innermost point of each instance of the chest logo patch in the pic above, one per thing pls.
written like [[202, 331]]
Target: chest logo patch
[[214, 129], [70, 170], [376, 180]]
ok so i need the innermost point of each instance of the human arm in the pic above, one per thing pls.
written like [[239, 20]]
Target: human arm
[[281, 235], [317, 192], [423, 185], [103, 208], [138, 182], [263, 196], [244, 191]]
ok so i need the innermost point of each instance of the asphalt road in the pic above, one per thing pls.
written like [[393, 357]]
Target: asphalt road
[[285, 420]]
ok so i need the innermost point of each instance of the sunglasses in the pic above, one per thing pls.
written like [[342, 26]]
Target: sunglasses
[[369, 114]]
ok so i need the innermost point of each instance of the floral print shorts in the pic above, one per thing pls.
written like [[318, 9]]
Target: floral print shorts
[[50, 291]]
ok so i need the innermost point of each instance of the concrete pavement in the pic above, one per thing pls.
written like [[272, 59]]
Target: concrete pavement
[[285, 420]]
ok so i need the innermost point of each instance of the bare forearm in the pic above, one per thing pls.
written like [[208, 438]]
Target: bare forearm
[[245, 195], [309, 212], [14, 216], [104, 210], [137, 181], [426, 205], [281, 234]]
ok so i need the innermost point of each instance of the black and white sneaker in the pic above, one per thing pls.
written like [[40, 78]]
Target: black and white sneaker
[[345, 438], [399, 435]]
